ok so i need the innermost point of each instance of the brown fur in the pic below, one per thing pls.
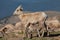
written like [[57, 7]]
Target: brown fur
[[37, 27], [53, 23], [7, 29], [21, 27]]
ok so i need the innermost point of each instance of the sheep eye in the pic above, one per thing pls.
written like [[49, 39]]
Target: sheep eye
[[17, 10], [21, 10]]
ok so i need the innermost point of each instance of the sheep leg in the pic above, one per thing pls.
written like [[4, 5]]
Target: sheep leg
[[38, 32], [47, 31], [30, 35], [27, 29], [26, 33], [42, 33]]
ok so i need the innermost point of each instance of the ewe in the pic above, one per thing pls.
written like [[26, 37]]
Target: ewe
[[27, 17], [53, 24], [32, 17]]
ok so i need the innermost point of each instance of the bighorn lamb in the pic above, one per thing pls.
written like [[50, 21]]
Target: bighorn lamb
[[36, 27]]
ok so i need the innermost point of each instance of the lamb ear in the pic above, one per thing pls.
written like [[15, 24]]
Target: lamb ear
[[20, 8]]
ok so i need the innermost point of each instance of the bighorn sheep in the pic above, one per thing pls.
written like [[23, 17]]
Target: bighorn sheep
[[35, 27], [33, 17], [7, 29], [53, 24], [29, 17]]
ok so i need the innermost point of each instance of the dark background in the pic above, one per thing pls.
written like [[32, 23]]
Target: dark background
[[7, 7]]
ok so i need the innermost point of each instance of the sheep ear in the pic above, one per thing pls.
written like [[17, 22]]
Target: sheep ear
[[20, 8]]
